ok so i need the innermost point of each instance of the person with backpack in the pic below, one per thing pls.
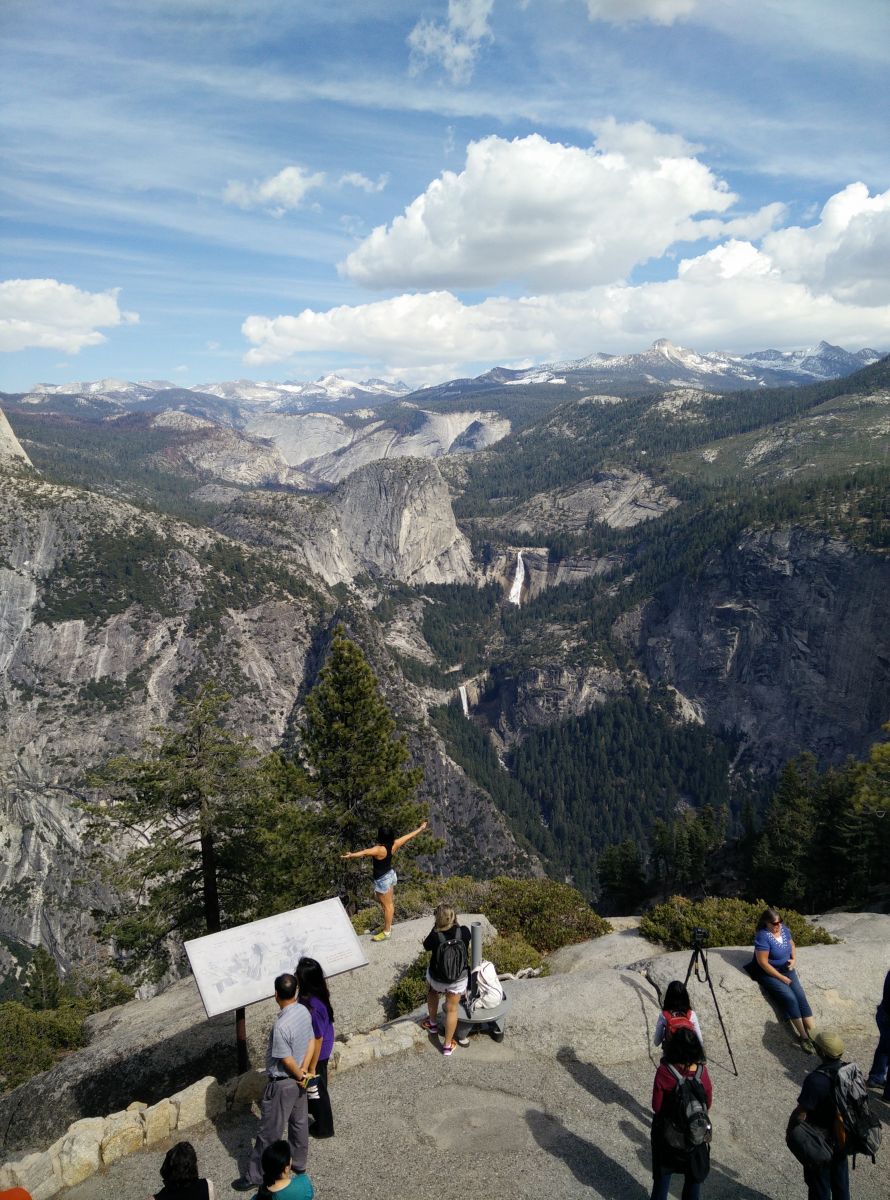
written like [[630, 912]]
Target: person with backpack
[[834, 1100], [878, 1076], [676, 1013], [681, 1129], [447, 974], [775, 956], [385, 878]]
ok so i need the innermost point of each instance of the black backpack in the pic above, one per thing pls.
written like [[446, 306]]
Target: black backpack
[[856, 1128], [449, 962], [686, 1122]]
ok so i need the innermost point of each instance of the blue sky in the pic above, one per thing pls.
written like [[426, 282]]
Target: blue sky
[[201, 190]]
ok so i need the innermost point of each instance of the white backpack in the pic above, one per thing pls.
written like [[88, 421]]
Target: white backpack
[[485, 989]]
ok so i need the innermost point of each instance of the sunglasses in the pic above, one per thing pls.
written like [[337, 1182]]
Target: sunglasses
[[775, 923]]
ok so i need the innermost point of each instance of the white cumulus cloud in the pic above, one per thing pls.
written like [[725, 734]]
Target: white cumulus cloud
[[278, 193], [357, 180], [53, 315], [548, 215], [625, 12], [846, 254], [455, 43]]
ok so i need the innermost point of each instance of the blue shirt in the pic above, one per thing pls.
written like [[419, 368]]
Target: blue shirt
[[778, 948]]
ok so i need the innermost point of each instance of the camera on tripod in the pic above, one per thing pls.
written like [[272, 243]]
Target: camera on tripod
[[699, 937]]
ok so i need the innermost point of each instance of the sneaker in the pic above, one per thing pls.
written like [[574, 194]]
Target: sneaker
[[429, 1026], [382, 936], [462, 1041], [244, 1185], [448, 1049], [807, 1045]]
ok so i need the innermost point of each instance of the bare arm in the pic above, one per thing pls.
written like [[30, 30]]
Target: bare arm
[[762, 957], [406, 837], [293, 1068], [793, 959], [371, 852]]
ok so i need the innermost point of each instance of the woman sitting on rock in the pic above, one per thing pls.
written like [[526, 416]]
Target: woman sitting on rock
[[776, 955], [672, 1132], [179, 1171], [385, 878], [277, 1179]]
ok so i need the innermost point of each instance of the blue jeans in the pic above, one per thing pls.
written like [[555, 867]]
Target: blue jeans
[[662, 1183], [828, 1183], [878, 1072], [791, 999]]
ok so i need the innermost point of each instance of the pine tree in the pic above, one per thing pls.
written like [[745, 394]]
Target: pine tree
[[358, 767], [42, 984], [181, 822], [781, 860]]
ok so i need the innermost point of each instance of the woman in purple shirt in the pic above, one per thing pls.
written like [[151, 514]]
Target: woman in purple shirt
[[312, 991], [776, 955]]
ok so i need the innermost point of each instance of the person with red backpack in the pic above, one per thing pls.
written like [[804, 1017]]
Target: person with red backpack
[[681, 1129], [676, 1013]]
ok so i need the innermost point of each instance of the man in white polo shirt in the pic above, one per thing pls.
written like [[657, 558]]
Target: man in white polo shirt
[[290, 1051]]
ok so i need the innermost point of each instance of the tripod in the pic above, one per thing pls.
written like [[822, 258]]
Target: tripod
[[698, 962]]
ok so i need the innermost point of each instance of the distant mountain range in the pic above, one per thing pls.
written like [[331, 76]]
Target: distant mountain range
[[661, 367]]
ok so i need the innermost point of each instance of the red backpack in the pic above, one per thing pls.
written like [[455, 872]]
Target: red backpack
[[677, 1020]]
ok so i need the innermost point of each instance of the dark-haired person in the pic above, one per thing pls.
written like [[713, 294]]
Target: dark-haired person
[[878, 1076], [816, 1104], [685, 1054], [385, 878], [289, 1053], [312, 991], [675, 1004], [445, 929], [277, 1178], [776, 956], [179, 1173]]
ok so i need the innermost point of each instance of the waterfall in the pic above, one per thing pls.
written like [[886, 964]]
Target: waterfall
[[516, 589], [463, 699]]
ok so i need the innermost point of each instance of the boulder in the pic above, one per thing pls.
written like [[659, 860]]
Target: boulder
[[35, 1173], [157, 1121], [79, 1151], [202, 1101], [124, 1134]]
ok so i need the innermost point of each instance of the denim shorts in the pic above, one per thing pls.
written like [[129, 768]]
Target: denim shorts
[[385, 882]]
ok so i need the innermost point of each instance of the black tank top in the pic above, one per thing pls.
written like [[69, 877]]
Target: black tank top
[[382, 865]]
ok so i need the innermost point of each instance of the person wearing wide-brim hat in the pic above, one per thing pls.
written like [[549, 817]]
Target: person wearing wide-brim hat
[[816, 1104]]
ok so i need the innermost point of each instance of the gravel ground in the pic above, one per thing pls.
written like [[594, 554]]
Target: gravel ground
[[504, 1120]]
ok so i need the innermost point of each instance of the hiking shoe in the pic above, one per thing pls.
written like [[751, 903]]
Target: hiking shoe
[[448, 1049], [807, 1045], [244, 1185], [382, 936], [429, 1026]]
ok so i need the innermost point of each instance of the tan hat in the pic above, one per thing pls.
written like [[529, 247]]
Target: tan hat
[[829, 1045]]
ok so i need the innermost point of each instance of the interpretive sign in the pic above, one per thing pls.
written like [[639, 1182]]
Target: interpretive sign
[[239, 966]]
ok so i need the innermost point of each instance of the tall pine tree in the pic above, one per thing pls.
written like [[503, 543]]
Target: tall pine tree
[[358, 766]]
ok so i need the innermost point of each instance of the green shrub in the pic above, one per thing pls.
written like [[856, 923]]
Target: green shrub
[[547, 914], [409, 992], [366, 918], [511, 954], [729, 922], [31, 1040]]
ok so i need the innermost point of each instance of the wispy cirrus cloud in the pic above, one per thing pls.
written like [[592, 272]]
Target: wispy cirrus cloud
[[626, 12], [57, 316], [453, 44]]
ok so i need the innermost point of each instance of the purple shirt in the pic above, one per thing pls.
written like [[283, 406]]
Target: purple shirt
[[322, 1025]]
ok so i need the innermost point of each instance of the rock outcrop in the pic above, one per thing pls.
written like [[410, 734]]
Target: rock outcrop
[[391, 519], [11, 452]]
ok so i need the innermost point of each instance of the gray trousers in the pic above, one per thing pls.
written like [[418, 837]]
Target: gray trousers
[[283, 1103]]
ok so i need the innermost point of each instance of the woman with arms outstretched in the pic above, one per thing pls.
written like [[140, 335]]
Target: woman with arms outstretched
[[385, 878]]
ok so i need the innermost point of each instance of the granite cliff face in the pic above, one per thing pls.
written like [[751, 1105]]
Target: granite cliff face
[[783, 637], [391, 519], [11, 452]]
